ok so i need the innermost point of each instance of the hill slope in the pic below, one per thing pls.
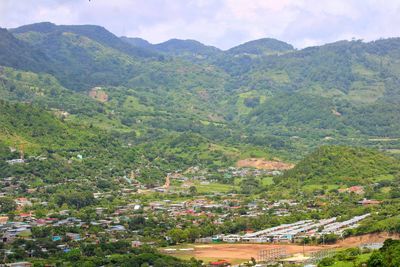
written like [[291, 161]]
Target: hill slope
[[18, 54], [344, 165], [288, 100]]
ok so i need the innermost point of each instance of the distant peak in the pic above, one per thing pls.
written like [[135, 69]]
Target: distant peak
[[136, 41], [38, 27], [261, 46], [176, 45]]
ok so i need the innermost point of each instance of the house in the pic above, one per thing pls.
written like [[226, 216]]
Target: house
[[19, 264], [25, 217], [64, 212], [31, 190], [136, 244], [22, 202], [231, 238], [73, 236], [97, 195], [217, 238], [56, 238], [3, 219], [100, 210], [15, 161], [117, 228], [357, 189]]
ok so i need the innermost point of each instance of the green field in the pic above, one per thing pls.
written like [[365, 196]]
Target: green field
[[359, 260], [214, 188]]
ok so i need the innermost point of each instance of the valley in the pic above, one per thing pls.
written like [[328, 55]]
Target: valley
[[118, 152]]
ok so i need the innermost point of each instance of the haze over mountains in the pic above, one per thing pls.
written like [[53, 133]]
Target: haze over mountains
[[263, 94]]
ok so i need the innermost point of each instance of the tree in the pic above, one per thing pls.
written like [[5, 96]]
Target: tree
[[376, 260], [7, 204], [250, 185], [192, 233], [193, 190], [326, 262], [177, 235]]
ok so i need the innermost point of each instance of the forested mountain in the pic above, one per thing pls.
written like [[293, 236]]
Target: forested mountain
[[261, 94], [191, 50], [93, 32], [265, 46], [178, 47], [19, 54]]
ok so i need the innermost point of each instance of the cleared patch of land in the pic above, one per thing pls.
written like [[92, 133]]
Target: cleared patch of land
[[236, 253], [246, 251], [260, 163], [368, 238]]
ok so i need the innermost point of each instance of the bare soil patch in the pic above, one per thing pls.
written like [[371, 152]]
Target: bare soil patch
[[98, 94], [237, 253], [242, 252], [355, 241], [260, 163], [246, 251]]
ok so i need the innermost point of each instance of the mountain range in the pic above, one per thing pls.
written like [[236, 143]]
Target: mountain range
[[263, 97]]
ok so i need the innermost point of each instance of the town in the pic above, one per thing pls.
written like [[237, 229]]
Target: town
[[169, 214]]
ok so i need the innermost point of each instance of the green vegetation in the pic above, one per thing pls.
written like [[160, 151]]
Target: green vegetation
[[387, 256], [100, 121], [265, 46], [344, 165], [270, 95]]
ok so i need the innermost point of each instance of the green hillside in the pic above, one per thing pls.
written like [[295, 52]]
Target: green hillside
[[19, 54], [262, 94], [41, 131], [344, 165]]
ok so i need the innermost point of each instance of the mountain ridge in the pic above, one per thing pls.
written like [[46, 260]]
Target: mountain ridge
[[283, 99]]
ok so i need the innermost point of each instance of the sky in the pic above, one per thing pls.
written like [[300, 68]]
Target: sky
[[221, 23]]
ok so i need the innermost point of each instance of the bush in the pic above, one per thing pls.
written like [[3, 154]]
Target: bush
[[326, 262]]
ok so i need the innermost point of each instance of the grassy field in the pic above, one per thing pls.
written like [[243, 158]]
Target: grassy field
[[360, 259], [205, 259], [267, 181], [214, 187], [312, 187]]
